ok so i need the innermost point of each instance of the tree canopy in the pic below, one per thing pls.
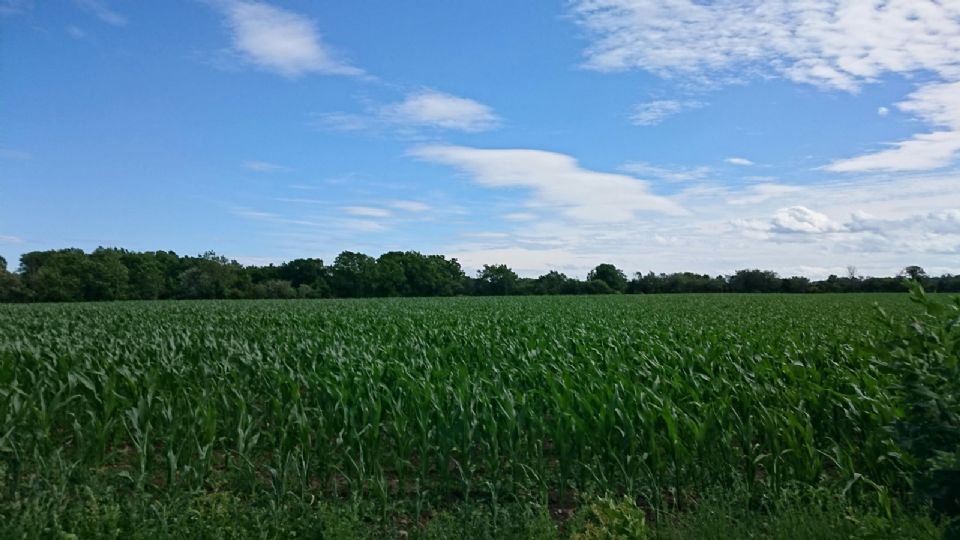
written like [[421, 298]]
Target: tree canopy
[[71, 275]]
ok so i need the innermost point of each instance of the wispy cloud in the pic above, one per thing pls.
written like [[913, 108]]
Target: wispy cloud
[[653, 112], [281, 41], [671, 173], [556, 182], [410, 206], [936, 104], [103, 12], [840, 45], [743, 162], [264, 166], [763, 192], [362, 225], [519, 216], [421, 109], [9, 239], [878, 224], [440, 110], [367, 211]]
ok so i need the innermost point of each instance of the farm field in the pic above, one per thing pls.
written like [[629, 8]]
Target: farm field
[[398, 417]]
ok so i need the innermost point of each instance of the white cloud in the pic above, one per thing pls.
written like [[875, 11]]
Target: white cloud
[[883, 111], [519, 216], [878, 224], [923, 152], [103, 12], [362, 225], [738, 161], [410, 206], [445, 111], [795, 219], [9, 239], [835, 45], [366, 211], [654, 112], [942, 222], [556, 180], [670, 174], [936, 104], [800, 219], [341, 121], [75, 32], [421, 109], [281, 41], [758, 193], [263, 166]]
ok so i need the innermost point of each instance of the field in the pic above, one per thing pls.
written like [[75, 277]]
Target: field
[[415, 416]]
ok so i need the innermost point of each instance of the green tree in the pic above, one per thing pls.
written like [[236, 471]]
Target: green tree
[[56, 275], [915, 273], [279, 288], [754, 281], [106, 277], [197, 283], [10, 287], [213, 276], [303, 272], [353, 275], [554, 282], [145, 276], [496, 279], [609, 274]]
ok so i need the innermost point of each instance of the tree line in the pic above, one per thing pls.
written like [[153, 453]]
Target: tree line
[[70, 275]]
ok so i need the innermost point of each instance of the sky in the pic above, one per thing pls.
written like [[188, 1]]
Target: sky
[[800, 136]]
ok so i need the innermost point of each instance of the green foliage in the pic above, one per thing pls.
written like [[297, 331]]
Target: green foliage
[[609, 518], [610, 275], [70, 275], [461, 415], [798, 513], [924, 356], [496, 279]]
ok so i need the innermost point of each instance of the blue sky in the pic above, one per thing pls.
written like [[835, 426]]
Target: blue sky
[[803, 136]]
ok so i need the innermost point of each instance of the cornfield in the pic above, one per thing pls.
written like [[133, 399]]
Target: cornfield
[[433, 400]]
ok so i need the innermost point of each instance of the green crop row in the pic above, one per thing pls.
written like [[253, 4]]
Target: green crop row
[[467, 399]]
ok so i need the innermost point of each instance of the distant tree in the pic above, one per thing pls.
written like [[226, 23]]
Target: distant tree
[[915, 273], [597, 286], [496, 279], [197, 283], [107, 275], [795, 285], [279, 288], [353, 275], [145, 276], [303, 272], [213, 276], [609, 274], [554, 282], [56, 275], [753, 281], [393, 271], [10, 287]]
